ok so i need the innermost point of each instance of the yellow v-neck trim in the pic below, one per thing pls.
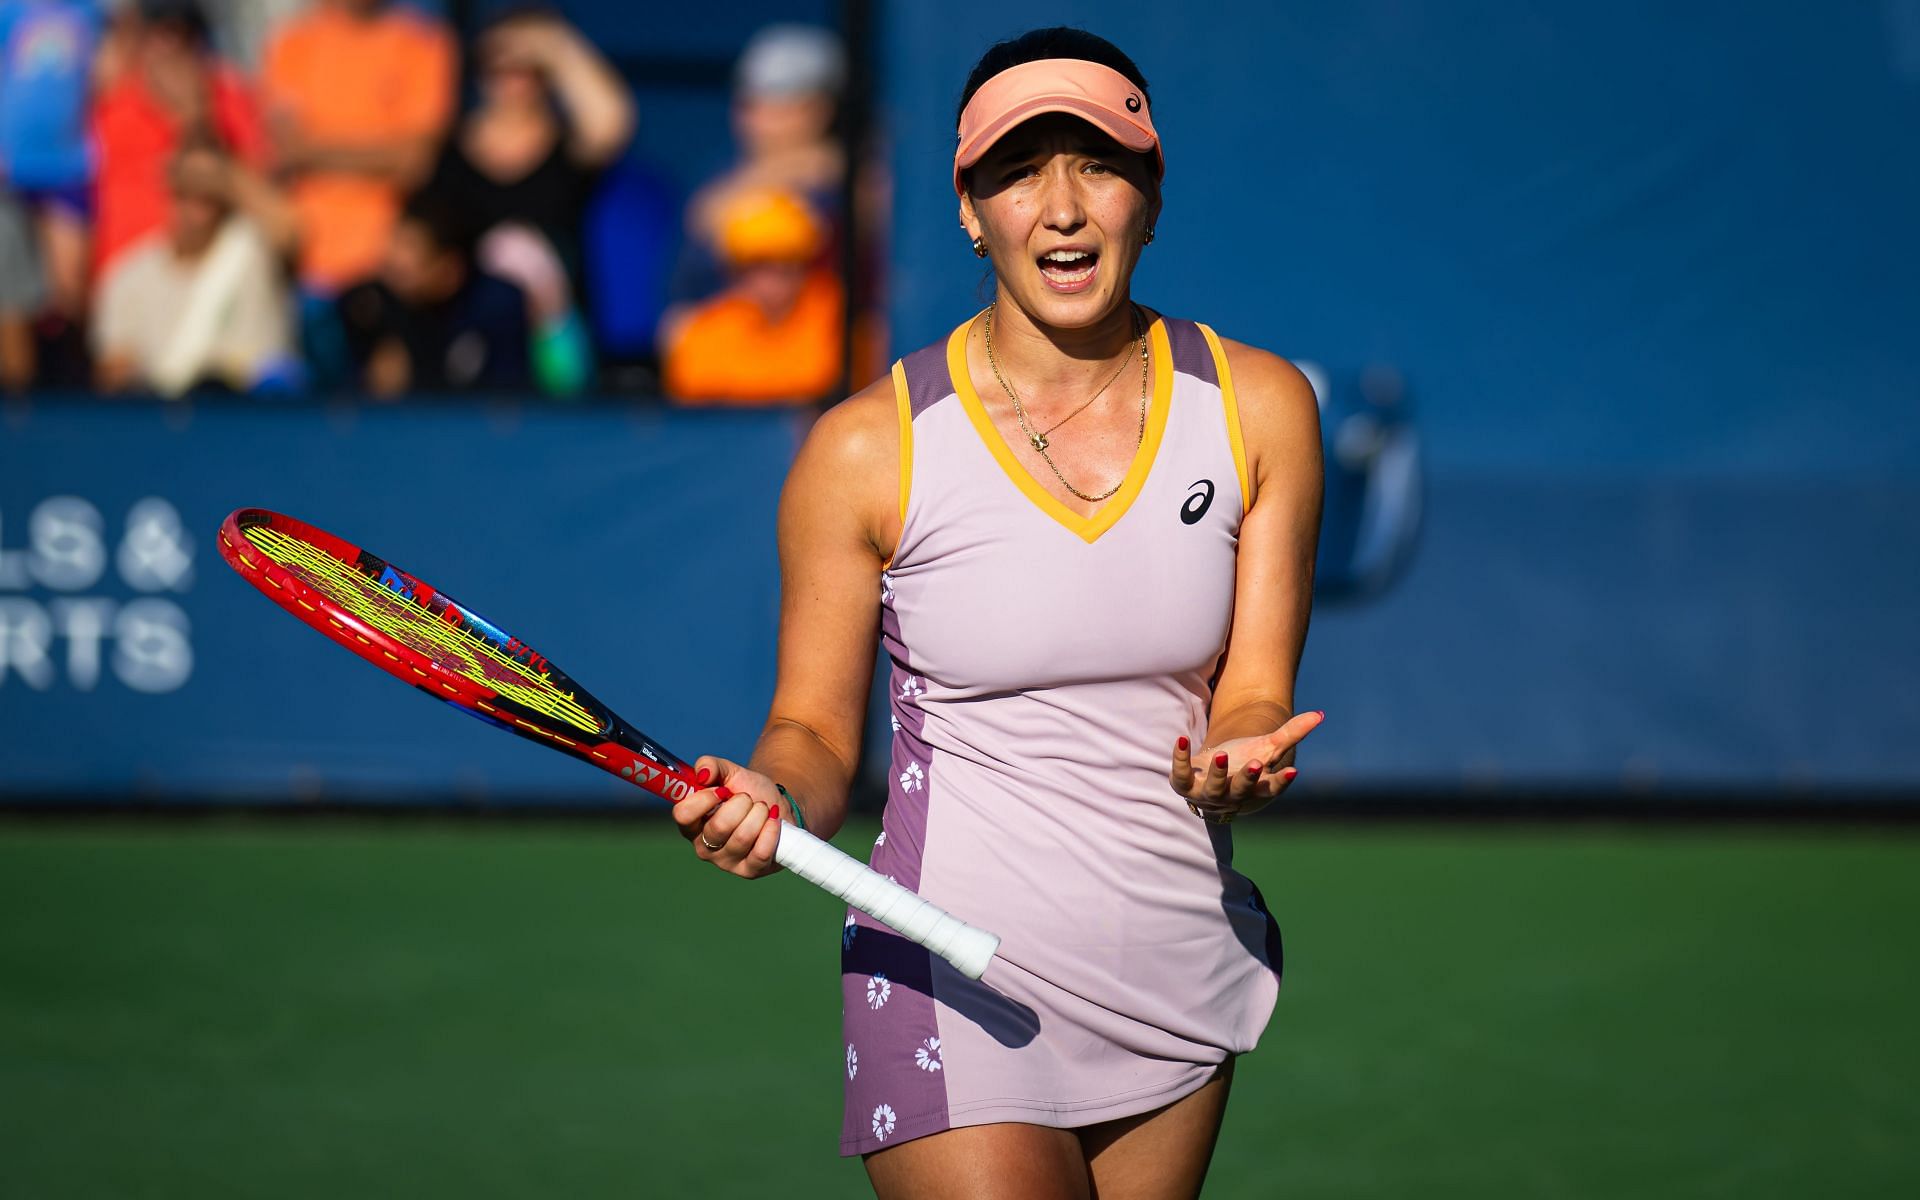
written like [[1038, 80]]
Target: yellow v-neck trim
[[1088, 529]]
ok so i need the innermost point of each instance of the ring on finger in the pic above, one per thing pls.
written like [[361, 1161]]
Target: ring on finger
[[709, 845]]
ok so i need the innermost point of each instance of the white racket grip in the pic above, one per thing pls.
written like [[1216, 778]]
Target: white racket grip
[[917, 920]]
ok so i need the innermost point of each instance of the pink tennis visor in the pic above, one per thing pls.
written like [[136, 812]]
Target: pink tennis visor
[[1097, 94]]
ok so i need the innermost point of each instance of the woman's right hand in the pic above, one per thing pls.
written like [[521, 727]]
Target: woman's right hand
[[733, 820]]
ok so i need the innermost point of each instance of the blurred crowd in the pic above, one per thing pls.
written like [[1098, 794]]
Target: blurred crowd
[[371, 206]]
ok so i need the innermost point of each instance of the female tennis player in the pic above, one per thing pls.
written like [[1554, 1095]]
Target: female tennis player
[[1085, 532]]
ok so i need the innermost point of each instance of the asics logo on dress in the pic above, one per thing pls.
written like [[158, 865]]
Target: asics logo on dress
[[1199, 499]]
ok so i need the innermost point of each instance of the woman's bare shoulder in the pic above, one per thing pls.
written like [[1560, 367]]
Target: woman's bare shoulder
[[1265, 378], [1279, 416], [851, 463], [861, 432]]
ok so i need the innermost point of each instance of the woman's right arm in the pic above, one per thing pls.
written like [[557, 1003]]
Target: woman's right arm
[[839, 522]]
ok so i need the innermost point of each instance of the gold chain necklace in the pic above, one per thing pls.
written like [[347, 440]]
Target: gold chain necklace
[[1039, 440]]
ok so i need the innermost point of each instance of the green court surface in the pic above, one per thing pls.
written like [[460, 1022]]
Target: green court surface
[[413, 1009]]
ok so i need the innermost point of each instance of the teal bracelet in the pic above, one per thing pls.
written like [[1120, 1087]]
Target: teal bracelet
[[799, 818]]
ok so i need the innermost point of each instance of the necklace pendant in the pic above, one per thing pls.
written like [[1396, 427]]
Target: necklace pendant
[[1040, 442]]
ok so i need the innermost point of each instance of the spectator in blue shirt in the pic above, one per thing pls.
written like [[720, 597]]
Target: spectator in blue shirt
[[47, 50]]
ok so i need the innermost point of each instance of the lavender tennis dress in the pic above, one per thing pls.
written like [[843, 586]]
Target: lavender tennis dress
[[1043, 664]]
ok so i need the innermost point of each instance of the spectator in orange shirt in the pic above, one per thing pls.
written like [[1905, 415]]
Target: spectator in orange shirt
[[774, 335], [161, 84], [358, 95]]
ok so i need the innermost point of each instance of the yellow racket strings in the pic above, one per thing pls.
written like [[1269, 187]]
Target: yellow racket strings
[[452, 647]]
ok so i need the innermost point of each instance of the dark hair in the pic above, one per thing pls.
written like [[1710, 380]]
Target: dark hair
[[499, 12], [1060, 41], [447, 225], [184, 17]]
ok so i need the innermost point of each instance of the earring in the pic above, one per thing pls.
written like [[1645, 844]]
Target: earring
[[979, 247], [1148, 240]]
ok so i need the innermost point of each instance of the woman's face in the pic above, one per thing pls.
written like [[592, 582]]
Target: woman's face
[[509, 83], [770, 124], [1064, 210]]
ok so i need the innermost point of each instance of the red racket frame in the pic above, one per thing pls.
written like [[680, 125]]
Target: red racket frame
[[616, 748]]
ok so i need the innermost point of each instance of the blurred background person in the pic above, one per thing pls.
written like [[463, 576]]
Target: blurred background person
[[47, 50], [435, 321], [550, 115], [358, 95], [243, 27], [774, 335], [21, 295], [202, 303], [160, 83], [559, 346], [786, 102]]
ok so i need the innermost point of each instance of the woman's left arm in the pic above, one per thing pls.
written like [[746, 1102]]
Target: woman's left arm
[[1252, 730]]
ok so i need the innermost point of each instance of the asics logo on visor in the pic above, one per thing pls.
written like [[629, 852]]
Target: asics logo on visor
[[1133, 103]]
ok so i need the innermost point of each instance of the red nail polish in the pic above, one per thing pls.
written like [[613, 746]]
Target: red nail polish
[[1253, 770], [1289, 773], [723, 793], [1219, 760], [1183, 745], [702, 776], [775, 810]]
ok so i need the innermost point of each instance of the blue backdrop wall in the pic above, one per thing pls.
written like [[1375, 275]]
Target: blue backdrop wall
[[1649, 275], [1597, 633], [1652, 276], [134, 664], [1596, 237]]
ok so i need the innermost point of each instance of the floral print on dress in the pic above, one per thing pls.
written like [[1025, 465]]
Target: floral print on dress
[[913, 778], [926, 1055], [879, 990], [853, 1062], [912, 688], [883, 1121]]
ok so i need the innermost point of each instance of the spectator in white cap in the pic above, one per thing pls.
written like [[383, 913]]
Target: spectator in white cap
[[786, 98]]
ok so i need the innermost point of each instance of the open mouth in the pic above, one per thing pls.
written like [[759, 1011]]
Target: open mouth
[[1069, 270]]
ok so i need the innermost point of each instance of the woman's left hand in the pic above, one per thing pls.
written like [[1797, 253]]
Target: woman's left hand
[[1240, 775]]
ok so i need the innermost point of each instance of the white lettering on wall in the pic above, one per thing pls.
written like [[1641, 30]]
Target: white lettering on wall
[[154, 553], [83, 622], [69, 553], [66, 637], [151, 652], [26, 635]]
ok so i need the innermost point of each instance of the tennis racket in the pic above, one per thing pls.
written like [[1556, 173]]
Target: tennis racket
[[419, 634]]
